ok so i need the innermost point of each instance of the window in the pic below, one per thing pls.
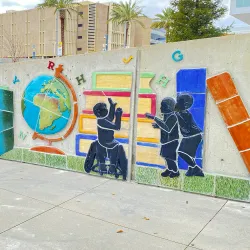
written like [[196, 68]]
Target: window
[[79, 24], [79, 37], [80, 13], [79, 49]]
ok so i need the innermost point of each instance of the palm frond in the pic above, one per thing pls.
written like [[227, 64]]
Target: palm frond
[[124, 12]]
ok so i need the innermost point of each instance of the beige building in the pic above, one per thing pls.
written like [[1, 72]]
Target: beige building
[[37, 32]]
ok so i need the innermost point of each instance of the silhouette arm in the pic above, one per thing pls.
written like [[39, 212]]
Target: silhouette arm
[[111, 114], [163, 126]]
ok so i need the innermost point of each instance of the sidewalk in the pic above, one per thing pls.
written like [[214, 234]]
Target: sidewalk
[[43, 208]]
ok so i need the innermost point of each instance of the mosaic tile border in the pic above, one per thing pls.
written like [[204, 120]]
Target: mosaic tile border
[[213, 185]]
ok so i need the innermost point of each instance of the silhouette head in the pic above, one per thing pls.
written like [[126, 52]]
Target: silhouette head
[[168, 105], [184, 102], [100, 110]]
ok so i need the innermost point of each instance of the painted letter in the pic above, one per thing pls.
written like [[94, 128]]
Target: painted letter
[[51, 65], [80, 79]]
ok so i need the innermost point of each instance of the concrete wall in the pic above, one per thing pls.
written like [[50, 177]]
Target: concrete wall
[[226, 174]]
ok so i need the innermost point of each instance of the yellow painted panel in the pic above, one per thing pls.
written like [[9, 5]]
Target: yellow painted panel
[[144, 105], [114, 81], [149, 155], [89, 126], [145, 83], [85, 144], [145, 130], [123, 102]]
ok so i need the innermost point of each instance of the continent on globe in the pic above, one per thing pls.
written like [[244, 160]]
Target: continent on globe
[[49, 110], [56, 88]]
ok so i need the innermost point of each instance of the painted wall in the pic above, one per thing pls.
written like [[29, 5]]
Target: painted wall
[[138, 80]]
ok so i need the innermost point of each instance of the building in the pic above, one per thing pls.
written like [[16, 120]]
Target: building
[[240, 9], [158, 36], [37, 32]]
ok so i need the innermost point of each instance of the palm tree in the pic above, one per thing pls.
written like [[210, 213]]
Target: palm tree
[[62, 6], [163, 21], [124, 13]]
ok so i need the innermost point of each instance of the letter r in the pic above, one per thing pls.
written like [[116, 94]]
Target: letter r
[[51, 65]]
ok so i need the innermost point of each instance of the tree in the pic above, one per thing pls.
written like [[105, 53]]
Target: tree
[[124, 13], [163, 21], [194, 19], [62, 6], [13, 45]]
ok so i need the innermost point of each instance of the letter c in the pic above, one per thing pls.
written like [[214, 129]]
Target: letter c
[[177, 56]]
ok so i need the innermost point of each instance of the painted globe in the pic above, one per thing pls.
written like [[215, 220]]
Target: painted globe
[[46, 105]]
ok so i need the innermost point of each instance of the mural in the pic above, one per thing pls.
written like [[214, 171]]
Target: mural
[[6, 121], [109, 153], [179, 150], [102, 139], [233, 112], [46, 108]]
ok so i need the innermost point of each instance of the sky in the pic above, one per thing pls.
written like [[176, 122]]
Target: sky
[[151, 7]]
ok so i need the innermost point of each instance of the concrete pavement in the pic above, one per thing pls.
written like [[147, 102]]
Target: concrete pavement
[[43, 208]]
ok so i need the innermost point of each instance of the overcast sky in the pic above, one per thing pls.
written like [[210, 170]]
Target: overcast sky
[[151, 7]]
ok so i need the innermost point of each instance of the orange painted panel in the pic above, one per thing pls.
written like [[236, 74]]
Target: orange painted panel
[[246, 159], [233, 111], [221, 87], [241, 135]]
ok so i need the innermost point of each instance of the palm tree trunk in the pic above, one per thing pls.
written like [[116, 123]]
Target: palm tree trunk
[[62, 33], [62, 19], [126, 34]]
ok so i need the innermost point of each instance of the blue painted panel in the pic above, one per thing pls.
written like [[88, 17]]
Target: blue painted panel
[[6, 141], [6, 120], [191, 80], [6, 100], [150, 165], [183, 165]]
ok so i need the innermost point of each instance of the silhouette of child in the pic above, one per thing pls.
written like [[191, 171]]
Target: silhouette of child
[[169, 136], [192, 134], [107, 147]]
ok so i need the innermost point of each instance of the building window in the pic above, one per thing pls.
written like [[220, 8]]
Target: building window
[[79, 37], [79, 49], [80, 13], [79, 24]]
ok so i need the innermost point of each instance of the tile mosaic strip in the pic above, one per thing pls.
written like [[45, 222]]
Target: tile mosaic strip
[[233, 112], [219, 186]]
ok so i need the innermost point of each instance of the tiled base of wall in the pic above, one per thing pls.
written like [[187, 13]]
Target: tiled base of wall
[[214, 185], [66, 162], [73, 163]]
